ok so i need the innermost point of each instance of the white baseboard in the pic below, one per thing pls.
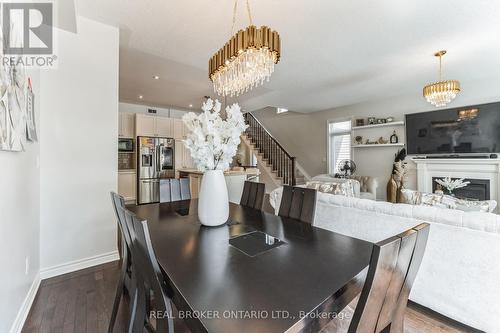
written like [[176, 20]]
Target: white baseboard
[[76, 265], [18, 324]]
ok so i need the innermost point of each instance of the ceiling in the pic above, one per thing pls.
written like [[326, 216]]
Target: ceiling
[[334, 53]]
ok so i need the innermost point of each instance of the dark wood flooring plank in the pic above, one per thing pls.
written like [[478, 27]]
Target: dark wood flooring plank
[[82, 302]]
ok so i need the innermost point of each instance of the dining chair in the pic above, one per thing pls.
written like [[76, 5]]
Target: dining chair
[[253, 195], [126, 279], [152, 307], [393, 267], [298, 203], [174, 190]]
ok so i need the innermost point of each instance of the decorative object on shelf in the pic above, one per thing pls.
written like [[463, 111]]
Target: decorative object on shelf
[[389, 119], [442, 92], [398, 177], [381, 120], [452, 184], [346, 168], [246, 60], [212, 143], [368, 142], [372, 121], [394, 138], [382, 141], [360, 122], [358, 139]]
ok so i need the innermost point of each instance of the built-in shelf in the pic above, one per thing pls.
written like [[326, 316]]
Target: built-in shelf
[[378, 145], [392, 123]]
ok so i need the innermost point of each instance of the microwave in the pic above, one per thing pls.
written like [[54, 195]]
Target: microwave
[[125, 144]]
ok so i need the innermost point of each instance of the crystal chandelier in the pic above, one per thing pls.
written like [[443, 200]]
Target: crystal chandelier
[[246, 60], [442, 92]]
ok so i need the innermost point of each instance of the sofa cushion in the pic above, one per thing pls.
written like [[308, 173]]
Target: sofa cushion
[[345, 188], [413, 197]]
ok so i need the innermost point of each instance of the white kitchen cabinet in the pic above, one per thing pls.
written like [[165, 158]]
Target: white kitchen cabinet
[[179, 129], [164, 127], [126, 185], [179, 155], [145, 125], [183, 158], [126, 125]]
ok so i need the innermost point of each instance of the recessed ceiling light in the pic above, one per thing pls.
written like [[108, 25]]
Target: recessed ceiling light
[[141, 97], [190, 105], [281, 110], [156, 77]]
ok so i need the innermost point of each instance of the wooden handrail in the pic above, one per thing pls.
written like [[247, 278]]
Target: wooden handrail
[[280, 160], [248, 114]]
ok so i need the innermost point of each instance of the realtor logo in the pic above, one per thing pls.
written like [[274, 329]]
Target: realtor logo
[[27, 28]]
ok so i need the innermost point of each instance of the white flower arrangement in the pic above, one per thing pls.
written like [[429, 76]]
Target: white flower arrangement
[[212, 141], [452, 185]]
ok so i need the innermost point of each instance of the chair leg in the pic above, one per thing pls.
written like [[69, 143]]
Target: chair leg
[[118, 294], [139, 317], [133, 310]]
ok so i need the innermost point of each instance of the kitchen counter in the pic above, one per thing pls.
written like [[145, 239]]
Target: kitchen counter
[[235, 180], [249, 172], [126, 171]]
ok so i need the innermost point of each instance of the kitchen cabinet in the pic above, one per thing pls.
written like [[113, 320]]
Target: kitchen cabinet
[[126, 125], [179, 154], [127, 184], [164, 127], [180, 129], [183, 158], [147, 125]]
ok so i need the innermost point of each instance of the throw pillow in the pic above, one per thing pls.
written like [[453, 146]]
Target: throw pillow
[[345, 188], [413, 197]]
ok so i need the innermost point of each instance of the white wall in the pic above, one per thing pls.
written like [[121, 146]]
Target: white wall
[[79, 130], [305, 135], [164, 112], [19, 222]]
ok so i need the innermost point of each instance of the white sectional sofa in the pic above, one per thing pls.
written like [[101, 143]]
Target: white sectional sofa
[[460, 272]]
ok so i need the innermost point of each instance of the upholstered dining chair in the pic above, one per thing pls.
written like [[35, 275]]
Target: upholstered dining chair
[[152, 292], [126, 279], [394, 265], [253, 195], [298, 203], [174, 190]]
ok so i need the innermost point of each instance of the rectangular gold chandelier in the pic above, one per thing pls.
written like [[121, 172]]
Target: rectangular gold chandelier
[[245, 61]]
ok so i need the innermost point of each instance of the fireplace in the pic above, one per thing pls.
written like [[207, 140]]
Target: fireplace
[[484, 174], [478, 189]]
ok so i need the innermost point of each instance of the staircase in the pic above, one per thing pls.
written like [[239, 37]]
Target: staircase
[[279, 164]]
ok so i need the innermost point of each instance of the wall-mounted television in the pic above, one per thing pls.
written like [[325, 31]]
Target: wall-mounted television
[[464, 130]]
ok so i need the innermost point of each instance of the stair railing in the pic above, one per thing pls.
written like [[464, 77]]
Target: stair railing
[[278, 158]]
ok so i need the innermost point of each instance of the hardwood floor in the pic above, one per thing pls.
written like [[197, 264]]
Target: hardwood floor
[[81, 302]]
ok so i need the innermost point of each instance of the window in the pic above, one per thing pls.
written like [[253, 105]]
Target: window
[[339, 144]]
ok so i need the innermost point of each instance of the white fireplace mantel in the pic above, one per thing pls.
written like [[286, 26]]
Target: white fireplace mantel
[[475, 168]]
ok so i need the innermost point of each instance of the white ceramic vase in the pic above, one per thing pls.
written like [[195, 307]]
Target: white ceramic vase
[[213, 201]]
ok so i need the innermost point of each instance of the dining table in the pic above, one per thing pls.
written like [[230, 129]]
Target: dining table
[[257, 273]]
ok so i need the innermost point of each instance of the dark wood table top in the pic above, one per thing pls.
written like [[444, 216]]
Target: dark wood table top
[[316, 272]]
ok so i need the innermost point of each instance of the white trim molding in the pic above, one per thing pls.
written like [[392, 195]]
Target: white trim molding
[[477, 168], [24, 310], [79, 264]]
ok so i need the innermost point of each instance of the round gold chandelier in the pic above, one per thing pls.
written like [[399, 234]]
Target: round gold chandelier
[[246, 60], [442, 92]]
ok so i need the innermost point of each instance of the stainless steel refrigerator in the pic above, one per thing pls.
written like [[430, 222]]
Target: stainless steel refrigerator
[[155, 160]]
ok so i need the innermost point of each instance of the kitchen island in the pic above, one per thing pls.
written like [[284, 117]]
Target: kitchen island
[[235, 180]]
